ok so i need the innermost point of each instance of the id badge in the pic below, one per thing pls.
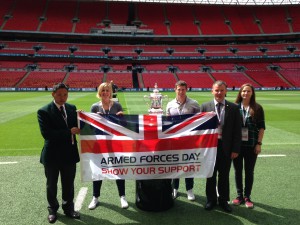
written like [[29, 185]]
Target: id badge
[[244, 134], [219, 132]]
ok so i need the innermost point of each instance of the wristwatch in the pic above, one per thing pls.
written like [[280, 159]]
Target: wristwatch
[[259, 143]]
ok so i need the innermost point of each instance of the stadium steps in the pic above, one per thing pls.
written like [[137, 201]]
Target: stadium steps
[[23, 78], [284, 79]]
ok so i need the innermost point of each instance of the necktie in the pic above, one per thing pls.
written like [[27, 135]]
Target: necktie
[[62, 112], [219, 105]]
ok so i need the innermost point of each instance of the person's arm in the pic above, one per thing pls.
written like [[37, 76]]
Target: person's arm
[[261, 129], [257, 148], [237, 133]]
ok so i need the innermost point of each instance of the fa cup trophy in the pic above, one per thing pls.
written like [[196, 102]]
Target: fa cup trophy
[[155, 101], [154, 194]]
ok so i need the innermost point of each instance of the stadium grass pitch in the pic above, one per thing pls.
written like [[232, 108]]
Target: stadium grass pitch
[[22, 182]]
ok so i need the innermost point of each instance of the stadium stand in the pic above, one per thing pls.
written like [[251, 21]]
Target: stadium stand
[[90, 16], [84, 79], [126, 42], [59, 16], [165, 79], [198, 79]]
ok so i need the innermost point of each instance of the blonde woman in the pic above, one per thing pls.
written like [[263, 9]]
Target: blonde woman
[[107, 106]]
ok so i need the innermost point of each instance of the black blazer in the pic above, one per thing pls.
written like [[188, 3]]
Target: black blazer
[[58, 148], [232, 131]]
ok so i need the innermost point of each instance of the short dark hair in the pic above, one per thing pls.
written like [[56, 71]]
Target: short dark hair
[[220, 83], [180, 83], [59, 86]]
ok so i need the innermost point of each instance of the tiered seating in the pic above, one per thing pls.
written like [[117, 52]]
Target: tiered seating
[[156, 67], [185, 50], [120, 79], [4, 9], [266, 78], [90, 15], [13, 64], [17, 48], [289, 65], [182, 19], [293, 76], [255, 66], [10, 78], [241, 19], [233, 79], [248, 50], [52, 65], [273, 19], [19, 44], [188, 67], [121, 50], [29, 17], [163, 80], [211, 20], [223, 66], [118, 12], [196, 80], [215, 49], [59, 16], [185, 19], [87, 66], [152, 17], [84, 80], [294, 14], [42, 79], [120, 67]]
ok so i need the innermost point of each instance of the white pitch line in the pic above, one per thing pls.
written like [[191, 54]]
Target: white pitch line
[[271, 155], [4, 163], [80, 198]]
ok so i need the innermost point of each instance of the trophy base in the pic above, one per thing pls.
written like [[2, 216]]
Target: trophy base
[[155, 111]]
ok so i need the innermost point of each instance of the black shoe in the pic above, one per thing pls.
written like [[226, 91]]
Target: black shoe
[[73, 214], [209, 205], [52, 218], [225, 206]]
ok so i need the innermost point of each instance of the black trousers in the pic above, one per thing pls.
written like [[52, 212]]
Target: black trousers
[[189, 183], [67, 175], [247, 156], [97, 187], [221, 172]]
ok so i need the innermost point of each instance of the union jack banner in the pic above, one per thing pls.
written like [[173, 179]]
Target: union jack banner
[[143, 147]]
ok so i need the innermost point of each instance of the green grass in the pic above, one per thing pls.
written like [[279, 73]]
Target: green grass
[[22, 185]]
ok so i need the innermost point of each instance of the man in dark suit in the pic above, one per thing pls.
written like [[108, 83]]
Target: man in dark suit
[[58, 126], [229, 142]]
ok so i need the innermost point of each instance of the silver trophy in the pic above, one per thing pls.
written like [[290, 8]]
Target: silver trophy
[[155, 101]]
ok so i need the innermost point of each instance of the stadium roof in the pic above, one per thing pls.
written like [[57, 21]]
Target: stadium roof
[[220, 2]]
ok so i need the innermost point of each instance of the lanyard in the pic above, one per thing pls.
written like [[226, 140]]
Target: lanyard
[[182, 108], [109, 107], [245, 114]]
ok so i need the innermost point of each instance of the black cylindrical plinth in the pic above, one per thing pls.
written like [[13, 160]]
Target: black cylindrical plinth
[[154, 195]]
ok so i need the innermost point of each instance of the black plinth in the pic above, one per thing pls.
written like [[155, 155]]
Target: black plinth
[[154, 195]]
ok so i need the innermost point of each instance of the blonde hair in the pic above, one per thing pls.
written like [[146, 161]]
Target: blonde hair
[[102, 86]]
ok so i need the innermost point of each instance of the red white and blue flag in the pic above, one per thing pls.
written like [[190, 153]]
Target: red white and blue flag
[[147, 146]]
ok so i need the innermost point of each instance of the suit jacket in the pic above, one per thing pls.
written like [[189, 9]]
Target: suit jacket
[[58, 147], [231, 131]]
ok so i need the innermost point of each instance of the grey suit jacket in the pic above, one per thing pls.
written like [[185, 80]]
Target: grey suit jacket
[[58, 147], [231, 131]]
